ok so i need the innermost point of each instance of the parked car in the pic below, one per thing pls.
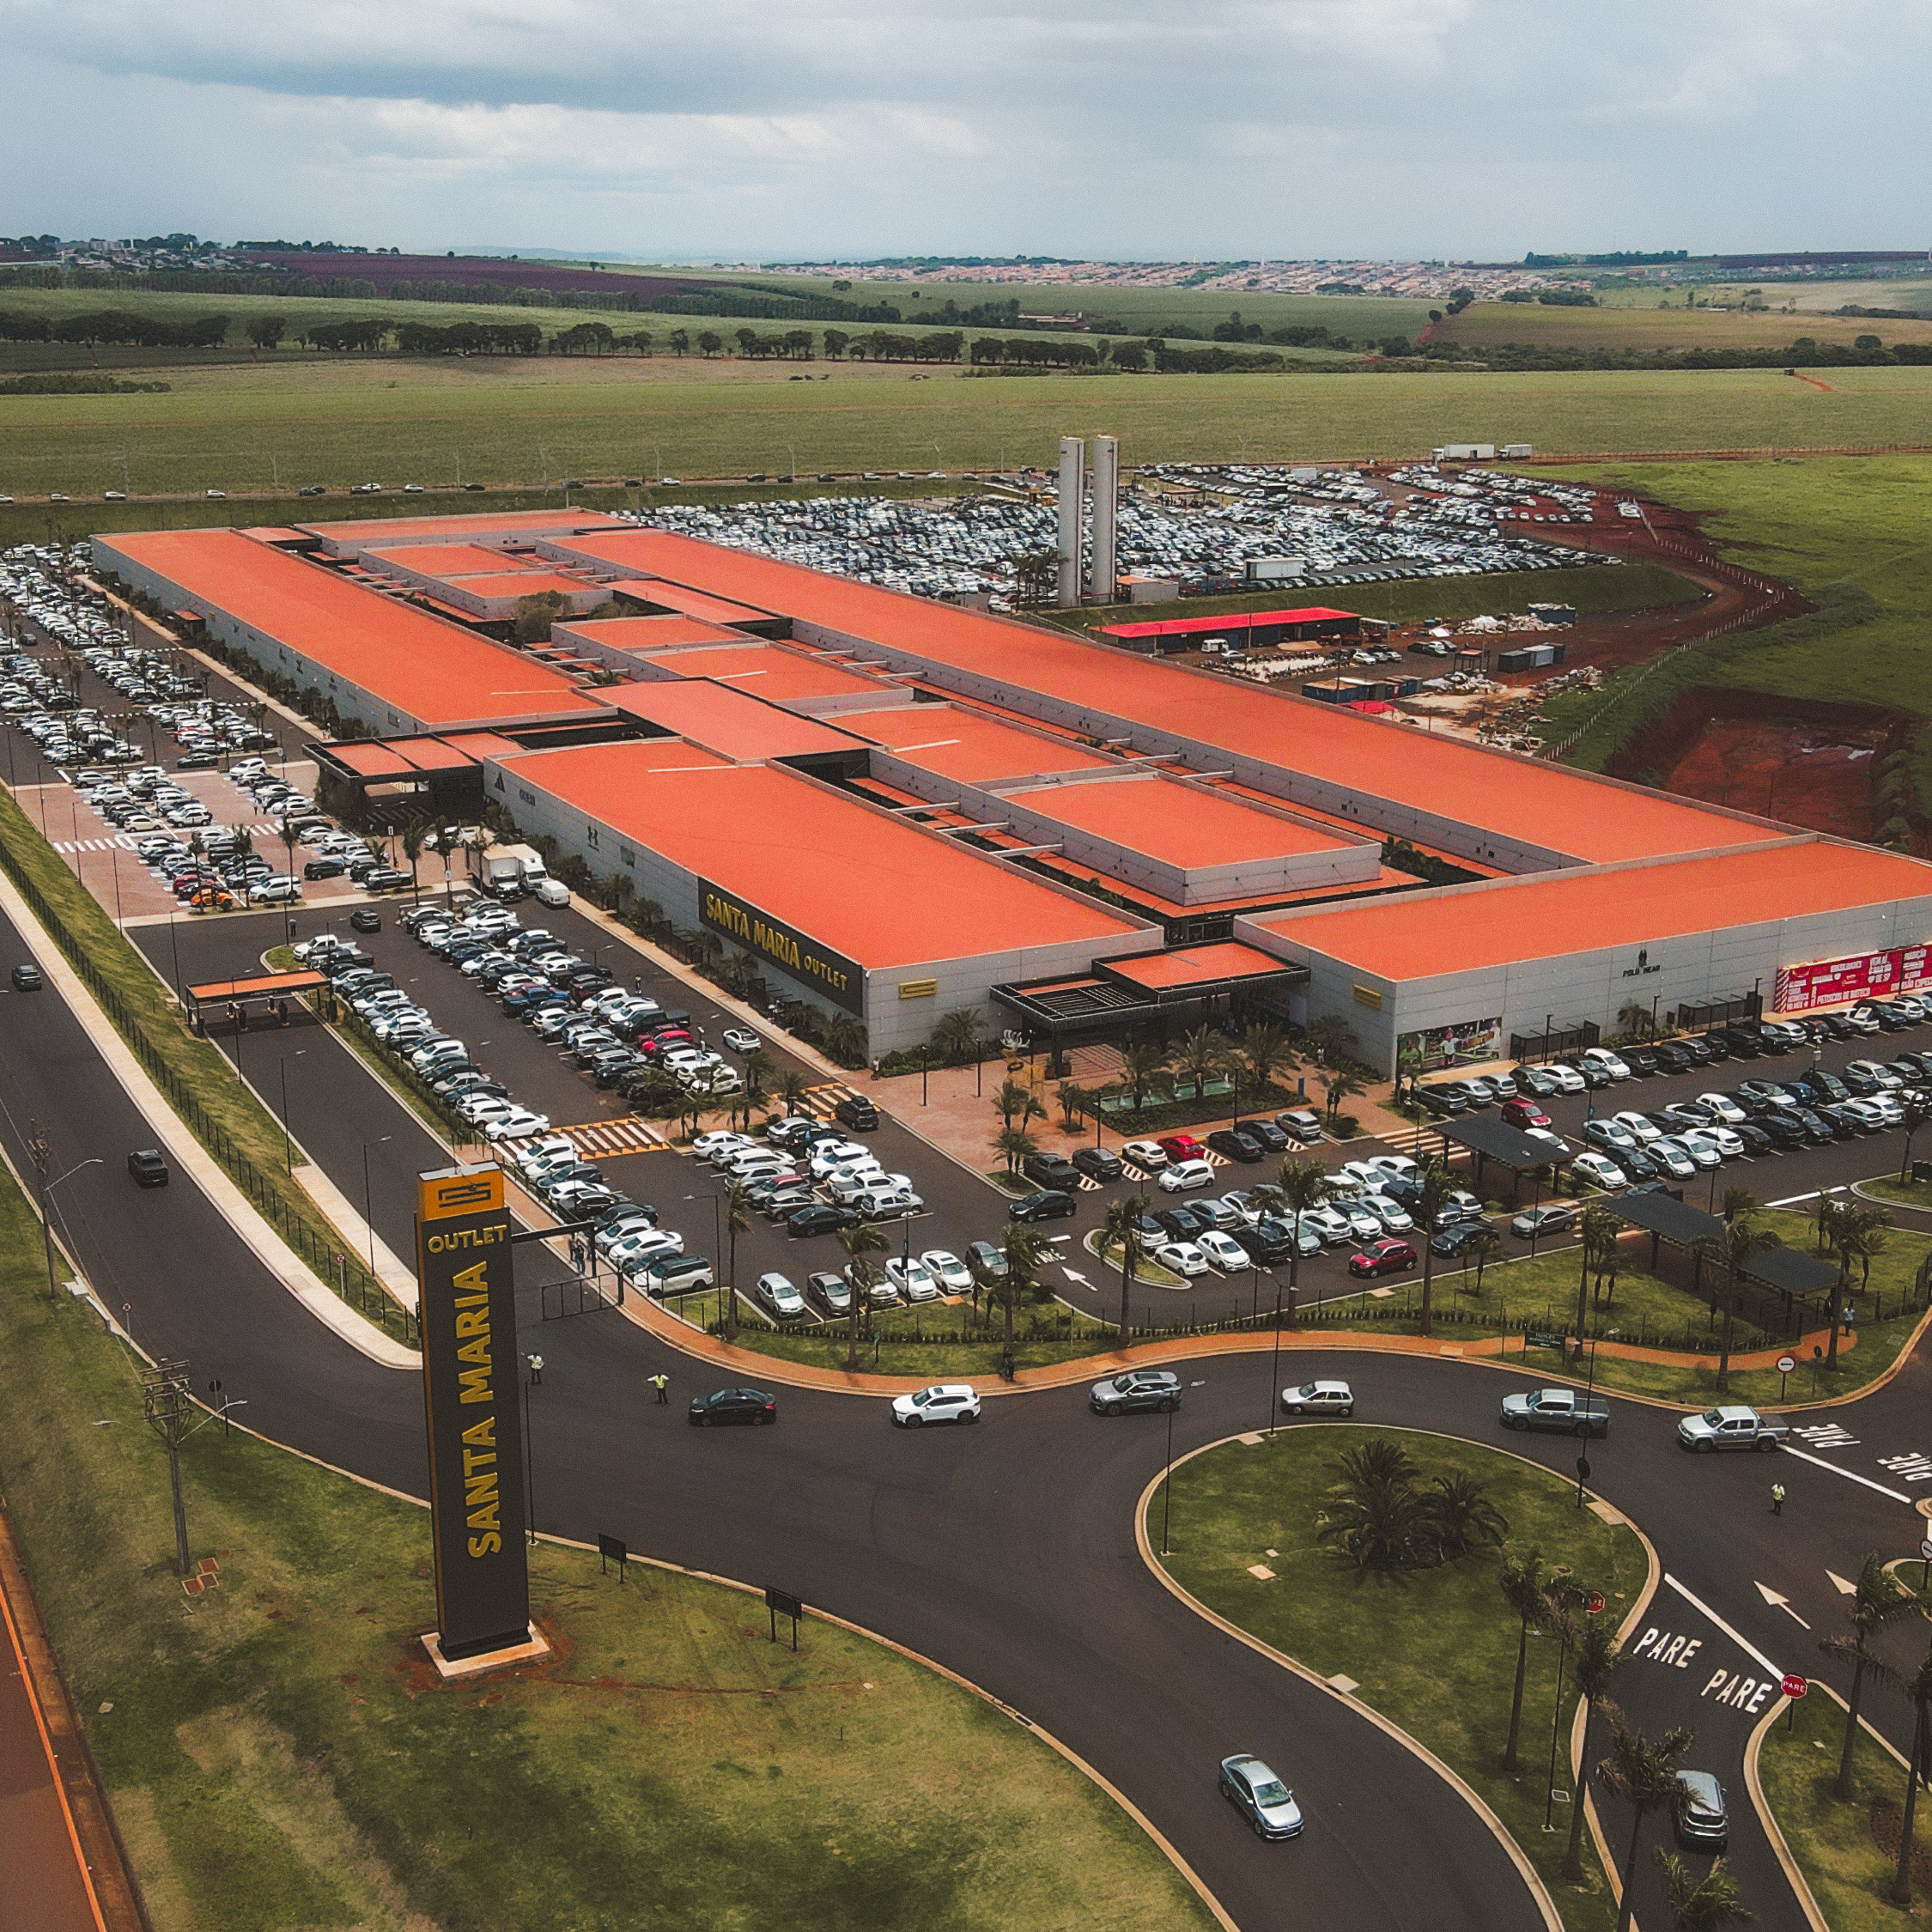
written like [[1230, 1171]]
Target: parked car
[[1048, 1169], [781, 1299], [1183, 1175], [1148, 1155], [1098, 1164], [1237, 1144], [1050, 1205], [1386, 1257]]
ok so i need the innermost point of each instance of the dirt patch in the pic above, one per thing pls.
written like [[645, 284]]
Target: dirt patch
[[1889, 1834], [1807, 763]]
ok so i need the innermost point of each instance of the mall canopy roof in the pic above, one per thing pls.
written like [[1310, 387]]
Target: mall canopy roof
[[1168, 979], [262, 986]]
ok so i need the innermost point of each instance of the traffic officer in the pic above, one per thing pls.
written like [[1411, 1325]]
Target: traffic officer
[[1777, 1499], [662, 1382]]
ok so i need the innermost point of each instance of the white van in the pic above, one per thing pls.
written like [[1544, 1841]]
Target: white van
[[553, 892]]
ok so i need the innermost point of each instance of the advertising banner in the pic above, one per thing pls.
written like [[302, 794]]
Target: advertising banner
[[1838, 982], [1468, 1044], [839, 980], [470, 1387]]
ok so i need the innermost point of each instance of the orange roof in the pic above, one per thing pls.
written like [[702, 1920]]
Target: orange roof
[[654, 633], [855, 879], [771, 672], [1519, 799], [725, 719], [443, 560], [1177, 824], [1507, 920], [972, 747], [520, 582], [691, 603], [1195, 966], [430, 671], [342, 539]]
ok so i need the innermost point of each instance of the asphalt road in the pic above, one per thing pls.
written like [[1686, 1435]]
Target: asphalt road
[[1007, 1552]]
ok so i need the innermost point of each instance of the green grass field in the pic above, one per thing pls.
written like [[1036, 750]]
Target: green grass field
[[279, 1755], [1849, 532], [1638, 324], [1433, 1651], [246, 426], [1832, 1842]]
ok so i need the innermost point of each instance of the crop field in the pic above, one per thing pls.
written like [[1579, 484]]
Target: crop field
[[1850, 533], [1490, 324], [349, 419]]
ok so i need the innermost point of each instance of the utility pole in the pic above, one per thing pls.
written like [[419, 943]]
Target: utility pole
[[167, 1403], [39, 1150]]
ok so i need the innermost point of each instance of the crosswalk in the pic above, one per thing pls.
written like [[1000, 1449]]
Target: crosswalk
[[627, 1136], [1417, 1140], [126, 842], [818, 1102]]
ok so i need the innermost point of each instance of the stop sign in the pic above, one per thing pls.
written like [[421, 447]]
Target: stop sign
[[1793, 1686], [1594, 1602]]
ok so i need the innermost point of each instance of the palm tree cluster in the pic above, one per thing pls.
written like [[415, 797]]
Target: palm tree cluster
[[1384, 1516]]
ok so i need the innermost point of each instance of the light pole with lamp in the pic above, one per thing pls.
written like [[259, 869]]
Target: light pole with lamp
[[47, 1187], [288, 1144], [368, 1209], [1274, 1370]]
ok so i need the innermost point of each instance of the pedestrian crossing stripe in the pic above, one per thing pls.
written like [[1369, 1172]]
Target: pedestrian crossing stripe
[[1088, 1185], [819, 1101], [627, 1136], [1214, 1159]]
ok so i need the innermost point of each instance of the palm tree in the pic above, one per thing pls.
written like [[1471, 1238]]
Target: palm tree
[[1634, 1016], [1482, 1248], [1737, 1201], [867, 1238], [757, 1071], [1338, 1087], [1915, 1110], [1917, 1689], [1434, 1186], [739, 970], [1025, 1247], [702, 944], [1599, 1230], [845, 1040], [791, 1089], [1460, 1516], [737, 1215], [1705, 1905], [1139, 1066], [1741, 1245], [1524, 1586], [1599, 1658], [1200, 1055], [1643, 1772], [1013, 1146], [619, 890], [1303, 1186], [291, 837], [957, 1035], [1072, 1100], [1329, 1036], [1875, 1601], [1015, 1096], [1408, 1069], [1122, 1224], [1264, 1053], [414, 834]]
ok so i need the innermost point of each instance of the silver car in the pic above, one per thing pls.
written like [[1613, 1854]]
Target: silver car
[[1260, 1797]]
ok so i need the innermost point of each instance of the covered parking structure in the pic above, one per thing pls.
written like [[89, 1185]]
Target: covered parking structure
[[1508, 1146], [273, 992]]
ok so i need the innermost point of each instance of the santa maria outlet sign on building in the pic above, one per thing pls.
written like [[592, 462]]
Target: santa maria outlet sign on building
[[831, 974], [1838, 982]]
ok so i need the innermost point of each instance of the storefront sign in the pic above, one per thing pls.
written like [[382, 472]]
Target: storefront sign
[[1838, 982], [841, 980], [469, 1386]]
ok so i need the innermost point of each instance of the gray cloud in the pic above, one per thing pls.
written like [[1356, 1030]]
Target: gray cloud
[[1298, 127]]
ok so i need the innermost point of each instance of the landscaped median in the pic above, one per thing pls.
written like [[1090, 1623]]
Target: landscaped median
[[196, 1081], [1431, 1646], [278, 1751]]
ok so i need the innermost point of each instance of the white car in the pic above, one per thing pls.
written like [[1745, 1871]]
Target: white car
[[519, 1121], [549, 1150], [1568, 1079], [1394, 1217], [828, 1155], [1728, 1146], [945, 1402], [1223, 1251], [1868, 1113], [1330, 1224], [1602, 1171], [742, 1040], [1704, 1153], [1378, 1169], [1364, 1224], [1149, 1155], [777, 1293], [912, 1278], [1724, 1107], [1642, 1131], [718, 1140], [1184, 1175], [1184, 1258], [951, 1274], [1319, 1398], [646, 1245]]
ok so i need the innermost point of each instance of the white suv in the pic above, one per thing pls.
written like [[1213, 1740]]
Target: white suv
[[945, 1402]]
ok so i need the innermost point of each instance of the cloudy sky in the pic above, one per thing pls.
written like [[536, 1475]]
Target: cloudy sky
[[1119, 128]]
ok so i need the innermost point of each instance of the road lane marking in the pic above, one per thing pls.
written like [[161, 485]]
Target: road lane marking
[[1783, 1603], [1896, 1495], [1743, 1643], [1842, 1585]]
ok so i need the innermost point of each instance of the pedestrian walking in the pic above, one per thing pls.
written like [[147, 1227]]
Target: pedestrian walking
[[662, 1382], [536, 1364], [1777, 1499]]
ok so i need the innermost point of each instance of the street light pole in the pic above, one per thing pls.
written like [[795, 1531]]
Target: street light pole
[[368, 1210], [288, 1144], [1274, 1371]]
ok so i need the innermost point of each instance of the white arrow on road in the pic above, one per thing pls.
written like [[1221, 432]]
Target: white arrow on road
[[1072, 1275], [1840, 1585], [1784, 1603]]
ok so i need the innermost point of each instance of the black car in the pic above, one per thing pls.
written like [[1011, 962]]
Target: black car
[[819, 1220], [1699, 1815], [1782, 1125], [1179, 1224], [1456, 1237], [1755, 1139], [384, 878], [1835, 1026], [147, 1167], [1741, 1045], [366, 919], [1237, 1144], [324, 868], [27, 979], [751, 1406], [1714, 1045], [1444, 1102], [1272, 1139], [198, 761], [856, 1112], [1098, 1164], [1672, 1058], [1265, 1243], [1048, 1205], [1051, 1170]]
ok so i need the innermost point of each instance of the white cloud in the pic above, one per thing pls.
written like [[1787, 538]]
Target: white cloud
[[1122, 127]]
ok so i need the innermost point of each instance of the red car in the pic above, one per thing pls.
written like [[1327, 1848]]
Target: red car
[[1524, 1114], [1386, 1257], [1179, 1147]]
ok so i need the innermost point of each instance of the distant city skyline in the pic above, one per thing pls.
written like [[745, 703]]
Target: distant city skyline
[[1403, 131]]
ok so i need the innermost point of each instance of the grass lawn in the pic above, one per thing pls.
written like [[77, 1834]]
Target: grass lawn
[[507, 421], [1848, 532], [1645, 326], [1832, 1842], [1432, 1650], [279, 1755]]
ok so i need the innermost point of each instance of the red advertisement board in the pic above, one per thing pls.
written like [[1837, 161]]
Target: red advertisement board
[[1838, 982]]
